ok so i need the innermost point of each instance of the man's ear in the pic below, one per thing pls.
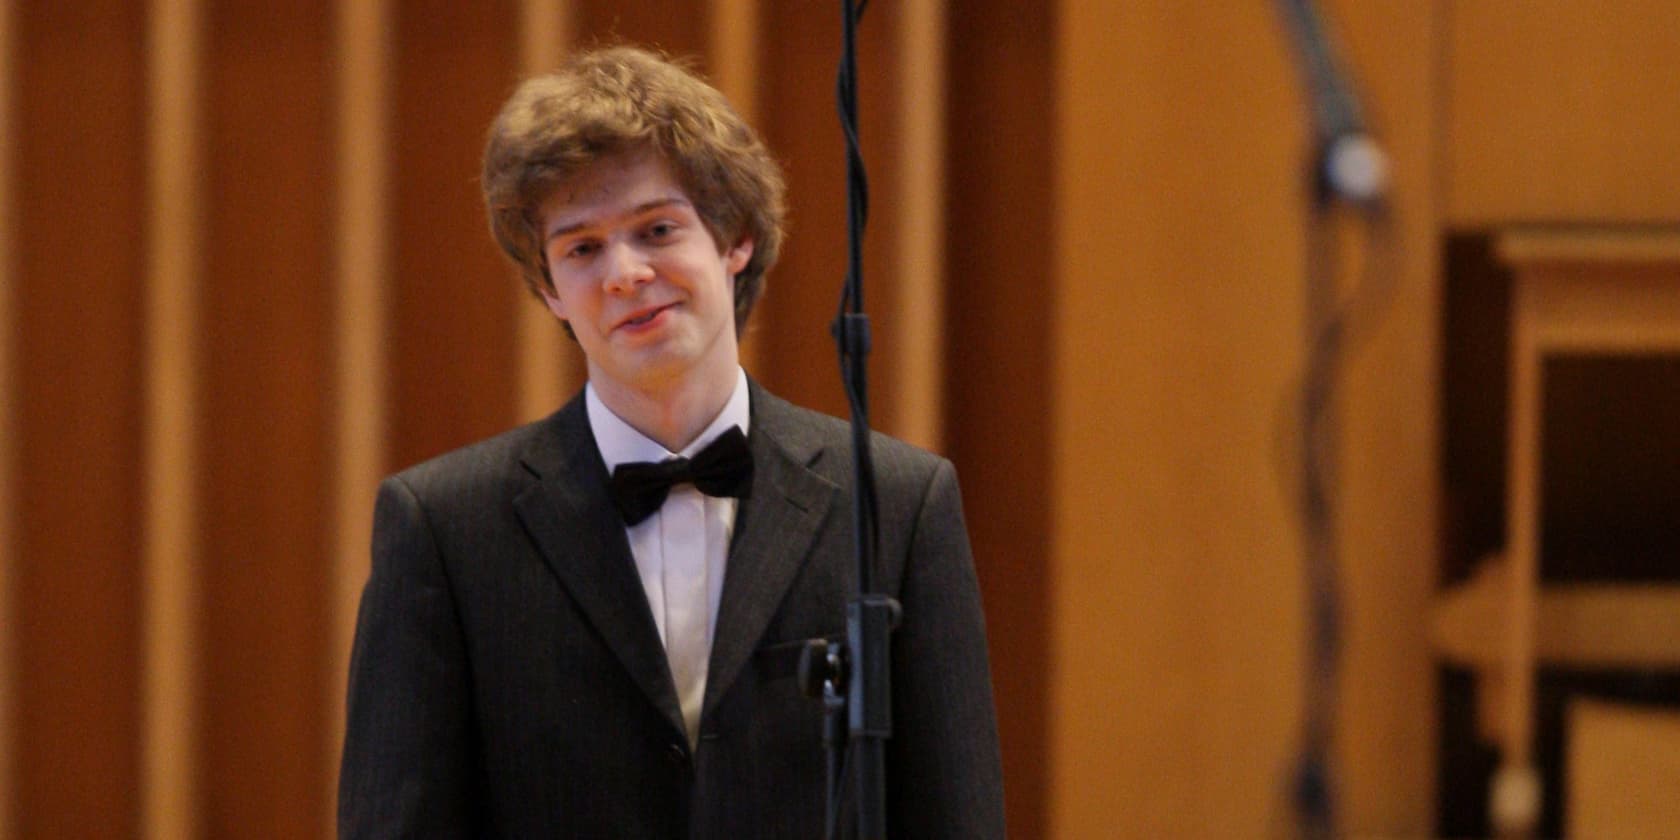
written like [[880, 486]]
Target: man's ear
[[736, 258], [553, 302]]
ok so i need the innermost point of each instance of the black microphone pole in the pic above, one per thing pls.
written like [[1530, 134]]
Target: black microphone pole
[[871, 616], [854, 677]]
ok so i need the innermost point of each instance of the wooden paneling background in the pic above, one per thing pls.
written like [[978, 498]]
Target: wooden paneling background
[[1175, 607], [265, 484], [1561, 111], [1000, 223], [244, 271], [74, 623]]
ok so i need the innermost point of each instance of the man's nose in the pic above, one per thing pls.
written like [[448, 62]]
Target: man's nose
[[627, 267]]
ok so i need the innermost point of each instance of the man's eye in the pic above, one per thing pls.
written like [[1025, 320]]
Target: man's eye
[[581, 249], [661, 230]]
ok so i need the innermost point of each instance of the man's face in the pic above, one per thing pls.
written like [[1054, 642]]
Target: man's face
[[639, 278]]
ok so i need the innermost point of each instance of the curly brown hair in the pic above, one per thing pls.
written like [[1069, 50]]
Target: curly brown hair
[[618, 100]]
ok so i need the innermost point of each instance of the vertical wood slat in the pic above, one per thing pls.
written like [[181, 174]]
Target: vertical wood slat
[[1002, 77], [169, 792], [78, 416], [265, 417], [919, 245], [1388, 449], [454, 372], [679, 29], [363, 258], [732, 51], [1158, 503], [547, 371], [8, 434]]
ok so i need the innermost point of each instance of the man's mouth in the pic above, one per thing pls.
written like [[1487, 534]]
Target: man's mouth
[[645, 317]]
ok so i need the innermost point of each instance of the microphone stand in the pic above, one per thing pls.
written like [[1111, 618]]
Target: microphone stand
[[854, 677]]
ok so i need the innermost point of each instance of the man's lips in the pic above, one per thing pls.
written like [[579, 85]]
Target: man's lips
[[643, 317]]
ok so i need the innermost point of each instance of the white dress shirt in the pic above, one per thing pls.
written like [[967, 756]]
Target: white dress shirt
[[682, 549]]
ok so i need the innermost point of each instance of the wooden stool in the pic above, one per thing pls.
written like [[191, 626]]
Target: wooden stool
[[1580, 293]]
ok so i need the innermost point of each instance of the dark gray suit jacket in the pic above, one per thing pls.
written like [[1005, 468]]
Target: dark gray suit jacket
[[508, 681]]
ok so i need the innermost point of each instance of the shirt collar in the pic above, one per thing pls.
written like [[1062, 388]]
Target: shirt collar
[[620, 443]]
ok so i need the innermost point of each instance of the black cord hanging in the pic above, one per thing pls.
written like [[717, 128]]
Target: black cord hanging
[[1347, 178]]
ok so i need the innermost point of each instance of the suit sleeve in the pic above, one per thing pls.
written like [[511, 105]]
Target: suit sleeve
[[405, 770], [945, 776]]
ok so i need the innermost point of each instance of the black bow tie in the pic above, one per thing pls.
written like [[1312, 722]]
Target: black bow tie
[[723, 468]]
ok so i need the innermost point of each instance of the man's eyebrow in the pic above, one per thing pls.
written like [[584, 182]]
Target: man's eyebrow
[[655, 204]]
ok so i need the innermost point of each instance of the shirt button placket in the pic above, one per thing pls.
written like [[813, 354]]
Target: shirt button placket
[[686, 643]]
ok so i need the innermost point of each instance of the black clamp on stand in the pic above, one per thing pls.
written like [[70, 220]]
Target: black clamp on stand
[[825, 673], [870, 620]]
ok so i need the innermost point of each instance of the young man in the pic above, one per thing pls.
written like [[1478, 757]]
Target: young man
[[568, 633]]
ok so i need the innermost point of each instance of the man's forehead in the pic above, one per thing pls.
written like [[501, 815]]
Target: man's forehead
[[611, 186]]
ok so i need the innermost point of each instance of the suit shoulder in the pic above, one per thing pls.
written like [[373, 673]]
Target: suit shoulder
[[472, 469], [804, 428]]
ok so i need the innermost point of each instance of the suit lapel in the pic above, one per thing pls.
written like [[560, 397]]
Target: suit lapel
[[571, 518], [775, 528]]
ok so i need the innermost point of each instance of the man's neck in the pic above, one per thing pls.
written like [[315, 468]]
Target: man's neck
[[673, 415]]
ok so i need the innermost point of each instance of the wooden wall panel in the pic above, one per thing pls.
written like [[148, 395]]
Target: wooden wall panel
[[998, 203], [794, 354], [8, 433], [1176, 602], [171, 550], [1177, 343], [915, 239], [362, 48], [1562, 111], [550, 365], [266, 302], [678, 28], [734, 53], [1390, 438], [79, 201], [454, 376], [734, 48]]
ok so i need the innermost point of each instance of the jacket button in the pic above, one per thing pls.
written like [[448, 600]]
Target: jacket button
[[677, 755]]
